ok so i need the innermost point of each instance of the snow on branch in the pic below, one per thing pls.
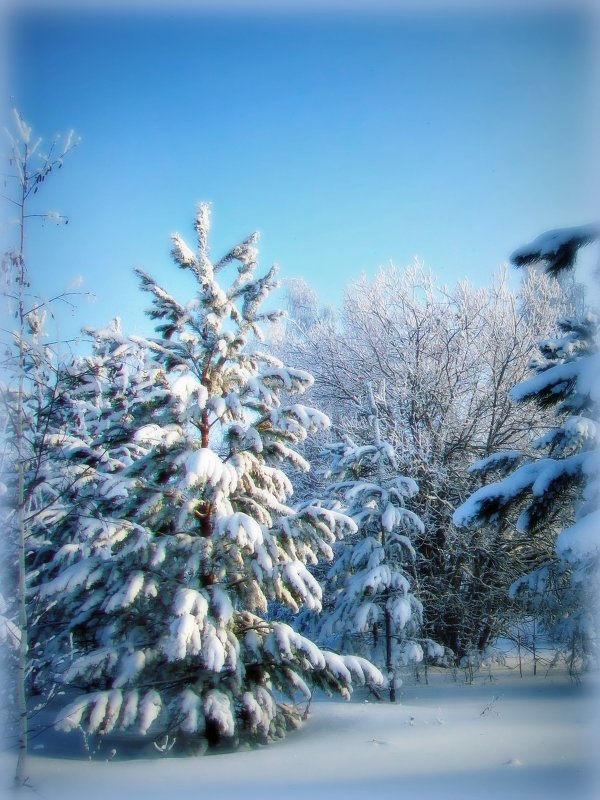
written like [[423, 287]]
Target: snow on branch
[[557, 249]]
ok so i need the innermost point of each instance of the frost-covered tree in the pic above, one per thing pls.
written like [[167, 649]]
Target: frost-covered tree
[[165, 577], [371, 587], [91, 441], [29, 390], [555, 493], [448, 357]]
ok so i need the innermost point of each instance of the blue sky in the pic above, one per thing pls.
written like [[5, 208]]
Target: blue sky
[[348, 140]]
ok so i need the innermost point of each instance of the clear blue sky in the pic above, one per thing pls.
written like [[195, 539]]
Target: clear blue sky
[[347, 140]]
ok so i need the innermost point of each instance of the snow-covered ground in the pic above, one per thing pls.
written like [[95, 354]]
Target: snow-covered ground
[[506, 738]]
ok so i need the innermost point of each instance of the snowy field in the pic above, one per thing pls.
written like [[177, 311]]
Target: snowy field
[[506, 738]]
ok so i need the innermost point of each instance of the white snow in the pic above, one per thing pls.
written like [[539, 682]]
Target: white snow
[[260, 707], [582, 372], [126, 594], [366, 615], [242, 529], [69, 578], [72, 714], [507, 458], [153, 434], [292, 379], [213, 652], [412, 653], [149, 709], [182, 252], [581, 540], [548, 243], [221, 605], [98, 712], [217, 707], [515, 484], [130, 665], [435, 743], [190, 706], [297, 576], [130, 708], [205, 466], [582, 429], [188, 601], [184, 638], [400, 610], [186, 387], [283, 641], [390, 517]]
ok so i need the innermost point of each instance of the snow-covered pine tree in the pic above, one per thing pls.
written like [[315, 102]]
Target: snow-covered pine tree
[[557, 492], [375, 610], [167, 582], [79, 484]]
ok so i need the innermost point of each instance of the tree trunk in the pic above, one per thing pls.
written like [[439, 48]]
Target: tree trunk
[[20, 776], [23, 644], [388, 654]]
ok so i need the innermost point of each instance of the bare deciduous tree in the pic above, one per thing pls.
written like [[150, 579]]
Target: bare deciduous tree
[[447, 358], [28, 369]]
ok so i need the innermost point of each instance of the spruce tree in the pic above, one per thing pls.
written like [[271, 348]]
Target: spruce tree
[[375, 609], [168, 579], [557, 492]]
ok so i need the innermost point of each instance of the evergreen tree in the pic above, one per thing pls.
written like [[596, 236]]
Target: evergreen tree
[[375, 611], [166, 577], [556, 493], [90, 443]]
